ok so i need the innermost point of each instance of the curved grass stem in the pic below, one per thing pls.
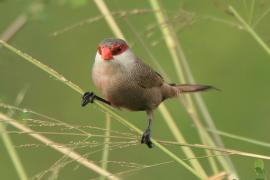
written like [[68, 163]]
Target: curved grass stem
[[105, 108]]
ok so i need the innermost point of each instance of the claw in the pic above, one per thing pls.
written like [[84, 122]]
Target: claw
[[88, 97], [146, 138]]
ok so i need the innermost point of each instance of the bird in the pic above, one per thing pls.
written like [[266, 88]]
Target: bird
[[127, 82]]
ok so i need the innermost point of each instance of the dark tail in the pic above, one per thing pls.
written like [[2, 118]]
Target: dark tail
[[190, 88]]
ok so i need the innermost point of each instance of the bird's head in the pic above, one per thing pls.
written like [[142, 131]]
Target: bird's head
[[113, 49]]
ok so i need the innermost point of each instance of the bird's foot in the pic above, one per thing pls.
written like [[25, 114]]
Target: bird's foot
[[146, 138], [88, 97]]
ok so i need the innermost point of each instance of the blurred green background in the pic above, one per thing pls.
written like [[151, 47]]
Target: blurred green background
[[218, 53]]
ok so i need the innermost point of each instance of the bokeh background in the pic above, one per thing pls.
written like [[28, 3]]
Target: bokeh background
[[218, 51]]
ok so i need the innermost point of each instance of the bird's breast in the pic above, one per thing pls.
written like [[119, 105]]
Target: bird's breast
[[107, 76]]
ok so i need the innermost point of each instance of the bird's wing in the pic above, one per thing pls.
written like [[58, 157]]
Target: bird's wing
[[145, 76]]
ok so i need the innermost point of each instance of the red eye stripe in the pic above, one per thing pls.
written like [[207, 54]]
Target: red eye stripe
[[118, 49], [115, 49]]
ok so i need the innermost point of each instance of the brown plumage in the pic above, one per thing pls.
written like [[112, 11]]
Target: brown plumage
[[128, 82]]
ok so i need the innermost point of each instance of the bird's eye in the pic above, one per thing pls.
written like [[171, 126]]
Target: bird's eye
[[116, 50]]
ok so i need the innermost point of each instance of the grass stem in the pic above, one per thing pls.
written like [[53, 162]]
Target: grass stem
[[241, 138], [260, 18], [229, 151], [13, 153], [109, 18], [105, 153], [12, 29], [180, 138], [251, 11]]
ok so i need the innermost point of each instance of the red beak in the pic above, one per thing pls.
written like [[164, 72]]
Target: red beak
[[106, 53]]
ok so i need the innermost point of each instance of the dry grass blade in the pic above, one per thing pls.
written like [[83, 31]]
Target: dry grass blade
[[109, 19], [60, 148]]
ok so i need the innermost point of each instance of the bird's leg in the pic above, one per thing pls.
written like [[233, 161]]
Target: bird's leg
[[147, 133], [89, 97]]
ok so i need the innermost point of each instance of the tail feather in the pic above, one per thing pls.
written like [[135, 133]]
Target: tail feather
[[190, 88]]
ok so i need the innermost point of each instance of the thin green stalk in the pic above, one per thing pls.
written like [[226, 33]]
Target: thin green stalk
[[109, 18], [113, 114], [260, 18], [105, 154], [118, 33], [8, 141], [245, 6], [251, 11], [250, 30], [169, 39], [241, 138], [12, 29], [13, 153]]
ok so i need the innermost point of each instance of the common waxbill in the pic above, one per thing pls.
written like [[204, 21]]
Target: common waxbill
[[128, 82]]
